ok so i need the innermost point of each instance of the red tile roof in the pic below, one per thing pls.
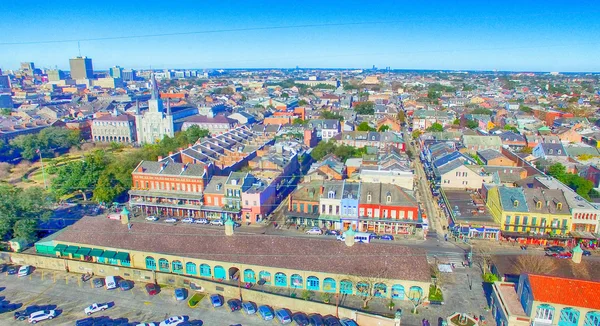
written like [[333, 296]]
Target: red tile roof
[[565, 291]]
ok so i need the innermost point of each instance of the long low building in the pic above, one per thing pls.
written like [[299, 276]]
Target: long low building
[[286, 262]]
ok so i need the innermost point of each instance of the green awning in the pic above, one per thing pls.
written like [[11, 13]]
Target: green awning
[[122, 256], [84, 251], [96, 252], [109, 254], [71, 249], [60, 247]]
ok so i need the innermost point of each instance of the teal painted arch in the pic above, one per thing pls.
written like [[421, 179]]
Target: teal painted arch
[[219, 273], [163, 265], [265, 276], [205, 270], [150, 263], [190, 268], [280, 279], [380, 290], [398, 291], [329, 285], [177, 267], [346, 287], [592, 318], [568, 317], [249, 276], [313, 283], [296, 281]]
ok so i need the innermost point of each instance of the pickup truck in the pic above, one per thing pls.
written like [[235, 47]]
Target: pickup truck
[[95, 307]]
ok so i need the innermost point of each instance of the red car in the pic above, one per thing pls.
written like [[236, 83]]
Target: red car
[[152, 289], [562, 255]]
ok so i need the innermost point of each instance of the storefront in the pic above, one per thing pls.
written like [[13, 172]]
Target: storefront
[[537, 239], [587, 240]]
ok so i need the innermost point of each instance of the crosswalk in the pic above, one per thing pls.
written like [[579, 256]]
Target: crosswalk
[[447, 258]]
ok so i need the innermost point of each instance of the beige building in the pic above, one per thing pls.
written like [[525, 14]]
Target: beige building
[[460, 176], [114, 127], [403, 179]]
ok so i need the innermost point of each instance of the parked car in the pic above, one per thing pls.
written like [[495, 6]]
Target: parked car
[[237, 224], [265, 312], [300, 319], [6, 306], [314, 230], [179, 294], [187, 220], [98, 282], [172, 321], [24, 270], [201, 221], [147, 324], [90, 321], [24, 314], [332, 232], [234, 304], [562, 255], [171, 220], [125, 285], [249, 308], [12, 270], [386, 237], [151, 288], [316, 320], [331, 321], [41, 315], [555, 249], [348, 322], [586, 252], [152, 218], [216, 222], [216, 300], [283, 316], [95, 307]]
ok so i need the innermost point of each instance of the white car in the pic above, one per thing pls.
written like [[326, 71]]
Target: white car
[[95, 307], [152, 218], [201, 221], [24, 270], [216, 222], [41, 315], [146, 324], [172, 321], [171, 220], [314, 231], [188, 220]]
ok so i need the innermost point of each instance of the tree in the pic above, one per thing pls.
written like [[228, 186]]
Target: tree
[[456, 122], [299, 122], [416, 134], [482, 111], [528, 264], [472, 124], [323, 148], [524, 108], [366, 280], [435, 127], [511, 128], [21, 210], [302, 103], [483, 258], [526, 150], [383, 128], [331, 115], [401, 117], [364, 126], [366, 108], [5, 112], [557, 170], [436, 274], [285, 95], [416, 298]]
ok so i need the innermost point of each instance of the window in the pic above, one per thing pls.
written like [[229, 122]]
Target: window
[[312, 283], [125, 262], [301, 207], [559, 206], [177, 267], [150, 263], [539, 204], [369, 196], [205, 270], [163, 265], [507, 221], [543, 222], [331, 194], [564, 224], [534, 221], [388, 198], [190, 268], [516, 203]]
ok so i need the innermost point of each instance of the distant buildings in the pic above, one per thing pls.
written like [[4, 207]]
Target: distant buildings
[[81, 68], [115, 127], [116, 72]]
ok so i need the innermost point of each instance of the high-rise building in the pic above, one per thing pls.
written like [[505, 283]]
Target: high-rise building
[[116, 72], [6, 101], [128, 74], [81, 68], [27, 68], [55, 74], [4, 83]]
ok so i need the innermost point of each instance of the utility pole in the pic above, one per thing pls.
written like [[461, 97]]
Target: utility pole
[[43, 172]]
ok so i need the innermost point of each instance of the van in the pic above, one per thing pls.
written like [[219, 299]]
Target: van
[[358, 237], [110, 283]]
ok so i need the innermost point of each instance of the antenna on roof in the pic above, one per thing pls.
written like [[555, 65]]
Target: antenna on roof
[[79, 48]]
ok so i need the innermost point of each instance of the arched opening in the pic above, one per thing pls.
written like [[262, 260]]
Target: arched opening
[[234, 273], [415, 293], [398, 292], [190, 268], [204, 270], [249, 276], [280, 279], [545, 312], [296, 281], [219, 272], [163, 265], [380, 290], [150, 263], [265, 277], [363, 288], [346, 287], [592, 318], [312, 283], [329, 285], [568, 317], [177, 267]]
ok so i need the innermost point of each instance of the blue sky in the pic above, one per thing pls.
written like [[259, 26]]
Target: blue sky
[[503, 35]]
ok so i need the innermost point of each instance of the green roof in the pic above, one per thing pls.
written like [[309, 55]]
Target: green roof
[[60, 247], [96, 252], [109, 254], [122, 255], [83, 251], [71, 249]]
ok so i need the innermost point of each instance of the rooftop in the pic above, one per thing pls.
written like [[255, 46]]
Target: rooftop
[[468, 208], [564, 291]]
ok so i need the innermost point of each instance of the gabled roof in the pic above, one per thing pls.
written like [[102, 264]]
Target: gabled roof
[[489, 154], [564, 291], [511, 196], [473, 140]]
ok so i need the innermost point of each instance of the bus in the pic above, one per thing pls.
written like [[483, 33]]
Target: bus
[[362, 237]]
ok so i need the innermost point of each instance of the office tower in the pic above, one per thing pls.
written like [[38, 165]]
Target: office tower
[[27, 68], [116, 72], [6, 101], [4, 83], [81, 68], [128, 74], [55, 74]]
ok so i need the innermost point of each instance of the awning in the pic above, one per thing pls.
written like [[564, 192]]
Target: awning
[[96, 252], [109, 254], [60, 248], [83, 251], [122, 256], [71, 249]]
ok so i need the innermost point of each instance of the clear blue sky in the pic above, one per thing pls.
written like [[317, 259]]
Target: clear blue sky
[[507, 35]]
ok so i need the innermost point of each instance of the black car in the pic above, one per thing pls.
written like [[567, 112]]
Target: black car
[[85, 322], [98, 282], [555, 249], [586, 253], [24, 314], [12, 270], [332, 232], [316, 320], [234, 304], [300, 319], [332, 321]]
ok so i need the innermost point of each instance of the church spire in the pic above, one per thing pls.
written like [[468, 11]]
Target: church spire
[[155, 93]]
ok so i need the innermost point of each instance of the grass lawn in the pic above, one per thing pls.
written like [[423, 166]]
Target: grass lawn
[[456, 321], [195, 299], [435, 295]]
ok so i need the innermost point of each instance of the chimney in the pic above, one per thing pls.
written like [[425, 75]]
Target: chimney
[[160, 158], [577, 253], [322, 189]]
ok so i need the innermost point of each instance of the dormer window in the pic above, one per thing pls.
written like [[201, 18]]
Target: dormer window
[[538, 204], [516, 203], [558, 152], [550, 151], [388, 197], [559, 206], [369, 197], [331, 194], [219, 186]]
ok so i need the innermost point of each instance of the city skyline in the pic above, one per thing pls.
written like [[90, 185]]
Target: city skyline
[[436, 36]]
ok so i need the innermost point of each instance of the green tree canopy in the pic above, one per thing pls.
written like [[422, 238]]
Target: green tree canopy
[[367, 107], [48, 141], [364, 126], [482, 111], [302, 103], [383, 128], [21, 210], [472, 124], [331, 115], [435, 127]]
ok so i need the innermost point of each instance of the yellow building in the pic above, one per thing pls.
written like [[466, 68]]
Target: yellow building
[[383, 270], [535, 214]]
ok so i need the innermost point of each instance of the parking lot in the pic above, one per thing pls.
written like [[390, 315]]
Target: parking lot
[[71, 296]]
